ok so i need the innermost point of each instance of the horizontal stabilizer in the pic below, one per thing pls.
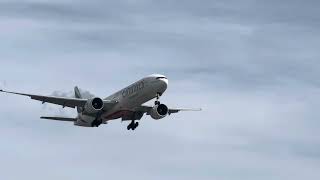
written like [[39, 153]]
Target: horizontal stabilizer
[[60, 119]]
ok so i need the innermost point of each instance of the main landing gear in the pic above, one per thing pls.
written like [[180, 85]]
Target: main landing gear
[[96, 123], [133, 125]]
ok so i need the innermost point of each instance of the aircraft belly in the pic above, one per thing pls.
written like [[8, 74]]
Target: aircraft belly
[[126, 106], [128, 102], [84, 120]]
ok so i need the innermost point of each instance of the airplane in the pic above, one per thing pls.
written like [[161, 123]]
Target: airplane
[[126, 104]]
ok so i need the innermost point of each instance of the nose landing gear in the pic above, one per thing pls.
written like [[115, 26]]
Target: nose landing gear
[[133, 125], [157, 102]]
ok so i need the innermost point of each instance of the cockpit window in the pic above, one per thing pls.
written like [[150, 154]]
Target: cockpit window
[[161, 78]]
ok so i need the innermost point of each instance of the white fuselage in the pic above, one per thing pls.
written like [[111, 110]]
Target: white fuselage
[[128, 99]]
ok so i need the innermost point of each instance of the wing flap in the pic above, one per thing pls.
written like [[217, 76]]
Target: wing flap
[[65, 102], [60, 119]]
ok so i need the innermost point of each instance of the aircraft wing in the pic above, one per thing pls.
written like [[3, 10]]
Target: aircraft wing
[[171, 110], [176, 110], [63, 101]]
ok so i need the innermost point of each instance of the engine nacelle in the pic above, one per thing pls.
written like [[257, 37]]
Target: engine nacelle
[[159, 111], [93, 105]]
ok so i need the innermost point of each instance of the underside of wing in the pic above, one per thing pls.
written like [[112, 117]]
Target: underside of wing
[[170, 111]]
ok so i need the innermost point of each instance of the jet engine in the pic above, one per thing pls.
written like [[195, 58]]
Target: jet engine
[[159, 111], [93, 105]]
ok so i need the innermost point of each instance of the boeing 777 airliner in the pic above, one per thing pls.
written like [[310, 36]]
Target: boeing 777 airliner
[[126, 104]]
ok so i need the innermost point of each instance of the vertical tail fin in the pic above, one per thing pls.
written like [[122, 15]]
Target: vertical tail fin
[[77, 93]]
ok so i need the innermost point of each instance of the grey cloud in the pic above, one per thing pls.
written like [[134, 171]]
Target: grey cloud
[[65, 12], [38, 10], [254, 58], [3, 84], [248, 11]]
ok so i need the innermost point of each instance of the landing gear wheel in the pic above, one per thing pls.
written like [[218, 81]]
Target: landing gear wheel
[[96, 123], [130, 126], [136, 124], [133, 125]]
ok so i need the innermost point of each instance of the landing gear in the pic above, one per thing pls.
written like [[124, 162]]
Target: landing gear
[[157, 102], [96, 123], [133, 125]]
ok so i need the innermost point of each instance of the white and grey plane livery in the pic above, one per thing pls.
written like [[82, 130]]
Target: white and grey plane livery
[[126, 104]]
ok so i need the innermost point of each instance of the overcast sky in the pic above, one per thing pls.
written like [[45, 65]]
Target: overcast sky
[[252, 65]]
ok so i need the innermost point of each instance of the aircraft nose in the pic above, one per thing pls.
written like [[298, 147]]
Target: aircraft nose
[[164, 83]]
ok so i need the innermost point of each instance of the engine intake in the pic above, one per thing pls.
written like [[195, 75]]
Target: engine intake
[[159, 111], [94, 105], [97, 103]]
